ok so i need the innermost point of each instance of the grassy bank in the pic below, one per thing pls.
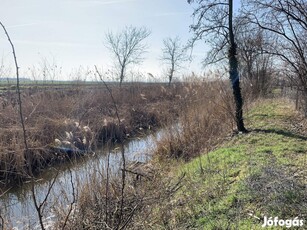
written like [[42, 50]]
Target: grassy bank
[[262, 173]]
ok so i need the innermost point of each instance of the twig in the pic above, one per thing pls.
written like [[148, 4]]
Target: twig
[[38, 207], [18, 88], [137, 173], [2, 222], [73, 200], [129, 218], [34, 109], [5, 191], [110, 93], [177, 186], [123, 183], [107, 185], [122, 151]]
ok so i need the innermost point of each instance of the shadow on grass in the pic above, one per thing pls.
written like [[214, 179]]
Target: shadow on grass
[[267, 115], [276, 191], [281, 132]]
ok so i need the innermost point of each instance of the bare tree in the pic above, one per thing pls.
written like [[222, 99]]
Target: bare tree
[[214, 20], [127, 47], [256, 65], [287, 20], [174, 54]]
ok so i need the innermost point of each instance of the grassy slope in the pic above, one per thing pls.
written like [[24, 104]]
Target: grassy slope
[[259, 173]]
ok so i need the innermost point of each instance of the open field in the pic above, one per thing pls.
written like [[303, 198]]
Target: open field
[[36, 86]]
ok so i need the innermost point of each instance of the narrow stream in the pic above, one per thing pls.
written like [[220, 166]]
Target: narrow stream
[[17, 206]]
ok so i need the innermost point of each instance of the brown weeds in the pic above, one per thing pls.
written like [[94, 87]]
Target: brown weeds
[[196, 116], [49, 113], [204, 120]]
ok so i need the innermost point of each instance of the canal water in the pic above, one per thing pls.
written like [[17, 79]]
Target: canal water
[[17, 205]]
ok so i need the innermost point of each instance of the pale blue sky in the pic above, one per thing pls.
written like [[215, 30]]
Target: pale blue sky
[[72, 31]]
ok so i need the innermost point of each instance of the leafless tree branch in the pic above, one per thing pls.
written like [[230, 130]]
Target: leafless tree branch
[[18, 92], [127, 47], [173, 54]]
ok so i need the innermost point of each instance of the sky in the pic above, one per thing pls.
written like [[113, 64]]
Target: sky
[[71, 33]]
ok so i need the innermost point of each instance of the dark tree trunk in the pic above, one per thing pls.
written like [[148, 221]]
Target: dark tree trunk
[[234, 74], [171, 73], [121, 77]]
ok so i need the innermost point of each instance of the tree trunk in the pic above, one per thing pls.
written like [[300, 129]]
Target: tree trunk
[[121, 77], [172, 70], [234, 74]]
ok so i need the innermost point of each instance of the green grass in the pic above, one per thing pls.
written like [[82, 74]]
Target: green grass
[[251, 175], [40, 84]]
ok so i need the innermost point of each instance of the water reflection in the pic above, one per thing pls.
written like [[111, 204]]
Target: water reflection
[[17, 206]]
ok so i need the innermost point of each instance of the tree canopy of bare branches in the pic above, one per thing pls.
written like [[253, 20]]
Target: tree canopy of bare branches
[[127, 46], [173, 54], [214, 22], [256, 65], [287, 20]]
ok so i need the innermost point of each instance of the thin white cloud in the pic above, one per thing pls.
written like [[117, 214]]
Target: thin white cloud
[[90, 3], [24, 25], [53, 44], [166, 14], [113, 2]]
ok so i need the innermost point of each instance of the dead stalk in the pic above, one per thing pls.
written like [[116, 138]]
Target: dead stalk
[[39, 207], [18, 88], [73, 200], [122, 150], [123, 184], [2, 222], [107, 186]]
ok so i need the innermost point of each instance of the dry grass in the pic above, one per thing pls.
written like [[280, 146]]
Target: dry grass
[[204, 120], [99, 202], [197, 115], [49, 113], [148, 194]]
